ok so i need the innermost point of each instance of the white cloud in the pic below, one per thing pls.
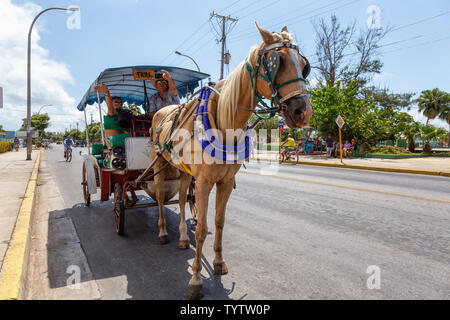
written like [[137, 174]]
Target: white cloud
[[47, 76]]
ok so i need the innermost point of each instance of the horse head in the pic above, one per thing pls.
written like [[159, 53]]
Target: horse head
[[282, 76]]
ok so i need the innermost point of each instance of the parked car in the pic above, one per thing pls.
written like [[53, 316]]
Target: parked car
[[79, 143]]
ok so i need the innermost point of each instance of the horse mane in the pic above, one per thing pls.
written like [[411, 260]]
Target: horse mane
[[227, 104]]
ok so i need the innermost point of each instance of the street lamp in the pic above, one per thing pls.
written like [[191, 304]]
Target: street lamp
[[180, 54], [29, 141], [184, 55], [45, 105]]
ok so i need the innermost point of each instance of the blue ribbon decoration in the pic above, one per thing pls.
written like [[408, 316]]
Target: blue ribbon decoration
[[210, 144]]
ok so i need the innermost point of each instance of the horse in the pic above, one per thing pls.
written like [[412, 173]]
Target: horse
[[275, 70]]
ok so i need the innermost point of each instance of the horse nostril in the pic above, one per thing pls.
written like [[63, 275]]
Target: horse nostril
[[298, 111]]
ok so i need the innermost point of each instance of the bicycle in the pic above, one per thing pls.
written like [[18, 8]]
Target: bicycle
[[69, 154]]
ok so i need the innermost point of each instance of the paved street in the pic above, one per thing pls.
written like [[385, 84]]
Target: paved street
[[304, 232]]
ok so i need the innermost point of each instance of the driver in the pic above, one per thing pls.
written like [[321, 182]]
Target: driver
[[167, 93], [68, 142]]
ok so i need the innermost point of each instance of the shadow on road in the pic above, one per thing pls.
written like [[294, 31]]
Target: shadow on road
[[135, 265]]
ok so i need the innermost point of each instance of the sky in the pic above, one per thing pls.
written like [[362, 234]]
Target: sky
[[69, 51]]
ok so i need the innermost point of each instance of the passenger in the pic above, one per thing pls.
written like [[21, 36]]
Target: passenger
[[114, 104], [347, 149], [167, 93]]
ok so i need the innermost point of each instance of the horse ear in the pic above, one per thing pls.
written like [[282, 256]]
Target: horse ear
[[266, 35], [284, 29]]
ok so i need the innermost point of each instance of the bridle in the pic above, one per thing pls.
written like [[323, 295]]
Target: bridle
[[270, 68]]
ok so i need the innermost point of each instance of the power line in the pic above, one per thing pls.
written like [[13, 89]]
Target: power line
[[253, 12], [188, 38], [418, 45], [414, 23], [395, 42], [277, 18], [249, 5], [294, 21], [420, 21], [220, 11]]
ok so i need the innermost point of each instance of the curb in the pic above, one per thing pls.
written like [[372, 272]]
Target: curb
[[372, 168], [12, 272]]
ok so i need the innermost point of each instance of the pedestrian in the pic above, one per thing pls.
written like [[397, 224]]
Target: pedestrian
[[330, 143]]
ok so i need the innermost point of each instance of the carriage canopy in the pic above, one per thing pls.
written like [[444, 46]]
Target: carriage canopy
[[134, 84]]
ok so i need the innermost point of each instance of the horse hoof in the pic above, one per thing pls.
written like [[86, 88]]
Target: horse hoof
[[220, 268], [195, 292], [163, 239], [184, 244]]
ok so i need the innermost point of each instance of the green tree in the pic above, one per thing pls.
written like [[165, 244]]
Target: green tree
[[432, 103], [360, 115], [38, 122], [343, 55], [133, 108], [94, 132]]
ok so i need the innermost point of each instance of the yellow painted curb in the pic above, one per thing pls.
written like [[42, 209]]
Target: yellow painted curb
[[350, 166], [12, 271]]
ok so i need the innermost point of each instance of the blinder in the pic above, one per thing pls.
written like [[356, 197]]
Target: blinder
[[306, 69], [271, 65]]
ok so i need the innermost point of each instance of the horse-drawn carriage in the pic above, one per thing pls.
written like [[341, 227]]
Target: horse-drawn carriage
[[119, 165], [275, 70]]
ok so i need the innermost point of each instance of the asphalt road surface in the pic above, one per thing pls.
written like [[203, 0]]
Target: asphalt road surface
[[291, 232]]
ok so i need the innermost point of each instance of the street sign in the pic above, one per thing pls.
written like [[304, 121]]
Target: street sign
[[340, 122], [281, 125]]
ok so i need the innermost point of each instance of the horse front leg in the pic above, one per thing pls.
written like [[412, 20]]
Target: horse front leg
[[223, 191], [202, 191], [185, 181]]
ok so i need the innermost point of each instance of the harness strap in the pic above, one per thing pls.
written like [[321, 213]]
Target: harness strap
[[293, 94]]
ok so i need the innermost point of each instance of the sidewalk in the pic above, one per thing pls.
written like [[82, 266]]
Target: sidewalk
[[430, 165], [15, 173]]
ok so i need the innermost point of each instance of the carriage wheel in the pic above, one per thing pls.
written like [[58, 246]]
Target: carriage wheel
[[87, 196], [191, 200], [119, 209]]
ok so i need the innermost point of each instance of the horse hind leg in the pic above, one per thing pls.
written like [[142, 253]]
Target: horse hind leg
[[222, 195], [185, 181], [160, 198]]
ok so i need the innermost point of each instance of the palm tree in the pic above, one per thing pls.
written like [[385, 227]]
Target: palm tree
[[429, 133], [445, 115], [410, 131], [432, 102]]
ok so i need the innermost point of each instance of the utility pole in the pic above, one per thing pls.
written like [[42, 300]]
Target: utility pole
[[91, 119], [223, 37]]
